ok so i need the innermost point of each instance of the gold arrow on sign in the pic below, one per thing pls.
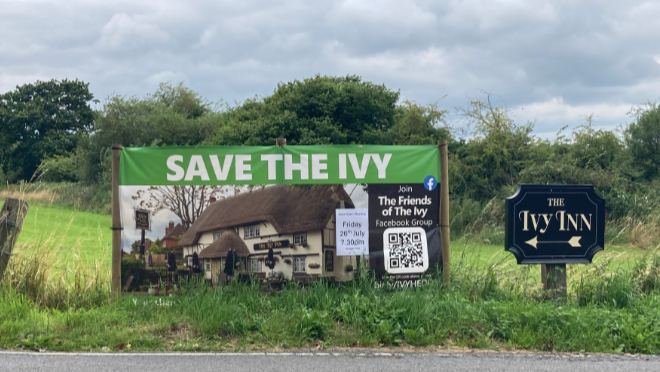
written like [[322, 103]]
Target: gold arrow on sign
[[574, 241]]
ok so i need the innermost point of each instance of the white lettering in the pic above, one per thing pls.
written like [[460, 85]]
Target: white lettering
[[317, 166], [196, 168], [381, 164], [221, 173], [272, 160], [342, 166], [359, 171], [176, 168], [289, 167], [242, 167]]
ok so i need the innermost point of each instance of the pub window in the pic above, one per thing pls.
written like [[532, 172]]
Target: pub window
[[207, 265], [251, 231], [299, 238], [190, 261], [216, 235], [255, 265], [299, 264]]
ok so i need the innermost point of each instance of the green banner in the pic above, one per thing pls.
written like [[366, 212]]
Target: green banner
[[243, 165]]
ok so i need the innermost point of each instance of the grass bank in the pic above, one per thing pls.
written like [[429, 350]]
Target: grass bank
[[63, 237], [608, 310], [55, 297]]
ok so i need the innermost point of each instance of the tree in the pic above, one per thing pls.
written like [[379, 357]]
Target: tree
[[318, 110], [417, 125], [643, 139], [594, 148], [497, 152], [187, 202], [156, 247], [42, 120], [174, 115]]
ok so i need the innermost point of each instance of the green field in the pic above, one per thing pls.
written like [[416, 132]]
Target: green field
[[69, 237], [66, 237], [484, 255]]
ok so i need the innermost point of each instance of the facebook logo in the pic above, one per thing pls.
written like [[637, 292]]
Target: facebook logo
[[430, 183]]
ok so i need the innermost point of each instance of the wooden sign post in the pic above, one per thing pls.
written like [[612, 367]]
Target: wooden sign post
[[116, 222], [11, 220]]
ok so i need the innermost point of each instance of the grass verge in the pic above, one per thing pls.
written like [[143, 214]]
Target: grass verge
[[607, 311], [55, 297]]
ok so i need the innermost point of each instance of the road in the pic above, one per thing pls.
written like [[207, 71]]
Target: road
[[323, 361]]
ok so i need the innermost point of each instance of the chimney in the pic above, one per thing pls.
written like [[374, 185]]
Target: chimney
[[212, 199], [169, 228]]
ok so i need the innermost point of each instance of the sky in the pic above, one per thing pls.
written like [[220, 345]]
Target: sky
[[550, 62]]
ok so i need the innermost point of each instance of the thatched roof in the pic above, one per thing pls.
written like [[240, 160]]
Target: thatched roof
[[288, 209], [221, 247]]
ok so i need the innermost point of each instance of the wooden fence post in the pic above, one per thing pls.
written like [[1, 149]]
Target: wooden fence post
[[553, 277], [116, 222], [12, 215], [444, 212]]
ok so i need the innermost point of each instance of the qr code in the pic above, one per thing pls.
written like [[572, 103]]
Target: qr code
[[405, 250]]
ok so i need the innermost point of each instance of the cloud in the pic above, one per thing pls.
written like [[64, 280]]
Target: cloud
[[556, 59], [123, 32], [556, 113]]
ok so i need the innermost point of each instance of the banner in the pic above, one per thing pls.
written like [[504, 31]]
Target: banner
[[245, 165]]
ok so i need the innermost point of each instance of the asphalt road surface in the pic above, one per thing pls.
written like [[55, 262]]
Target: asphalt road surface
[[324, 361]]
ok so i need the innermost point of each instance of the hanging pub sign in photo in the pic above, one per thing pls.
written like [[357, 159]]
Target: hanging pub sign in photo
[[142, 219], [555, 224], [403, 227]]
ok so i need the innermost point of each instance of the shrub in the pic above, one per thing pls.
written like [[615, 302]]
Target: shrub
[[131, 266], [60, 169]]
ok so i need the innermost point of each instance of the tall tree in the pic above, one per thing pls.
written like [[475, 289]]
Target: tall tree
[[415, 124], [42, 120], [318, 110], [174, 115], [497, 152]]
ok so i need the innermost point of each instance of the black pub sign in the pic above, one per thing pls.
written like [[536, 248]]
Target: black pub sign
[[142, 219], [555, 224], [269, 245]]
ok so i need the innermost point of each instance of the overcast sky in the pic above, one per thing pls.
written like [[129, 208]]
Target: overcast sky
[[555, 62]]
